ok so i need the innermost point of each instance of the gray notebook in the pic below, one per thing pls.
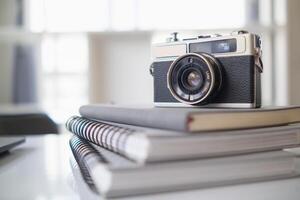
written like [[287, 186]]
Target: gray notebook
[[193, 119]]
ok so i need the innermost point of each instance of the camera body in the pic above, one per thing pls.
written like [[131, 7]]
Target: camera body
[[208, 71]]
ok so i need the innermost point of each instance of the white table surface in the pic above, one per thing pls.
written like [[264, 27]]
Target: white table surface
[[37, 170], [40, 170]]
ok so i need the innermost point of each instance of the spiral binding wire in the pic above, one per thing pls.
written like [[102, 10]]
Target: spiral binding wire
[[82, 152], [109, 136]]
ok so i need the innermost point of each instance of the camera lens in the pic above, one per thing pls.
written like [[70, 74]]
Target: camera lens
[[194, 78], [191, 78]]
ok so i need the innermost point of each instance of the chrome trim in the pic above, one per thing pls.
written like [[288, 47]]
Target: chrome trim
[[166, 51], [212, 105], [254, 89], [216, 61], [165, 59], [246, 41], [212, 85], [245, 45]]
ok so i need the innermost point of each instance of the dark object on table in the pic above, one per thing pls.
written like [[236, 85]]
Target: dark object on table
[[25, 120], [6, 143]]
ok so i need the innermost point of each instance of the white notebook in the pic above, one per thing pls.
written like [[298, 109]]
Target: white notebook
[[149, 145], [116, 176]]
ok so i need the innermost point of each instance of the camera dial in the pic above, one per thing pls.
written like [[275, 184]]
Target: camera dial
[[194, 78]]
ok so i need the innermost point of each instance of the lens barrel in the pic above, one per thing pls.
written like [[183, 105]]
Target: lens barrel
[[195, 78]]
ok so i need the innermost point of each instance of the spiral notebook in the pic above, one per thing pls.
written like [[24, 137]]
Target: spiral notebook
[[116, 176], [148, 145]]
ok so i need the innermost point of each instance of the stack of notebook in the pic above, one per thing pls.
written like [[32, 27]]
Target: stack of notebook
[[124, 151]]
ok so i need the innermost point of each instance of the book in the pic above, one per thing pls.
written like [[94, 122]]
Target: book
[[247, 191], [79, 184], [193, 119], [116, 176], [80, 152], [148, 145]]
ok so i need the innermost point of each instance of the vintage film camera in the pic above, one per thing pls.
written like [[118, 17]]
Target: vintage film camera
[[208, 71]]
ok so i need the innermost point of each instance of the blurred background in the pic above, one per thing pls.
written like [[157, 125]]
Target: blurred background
[[60, 54]]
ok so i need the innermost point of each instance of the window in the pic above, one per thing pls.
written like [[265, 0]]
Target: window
[[64, 74], [103, 15], [68, 15], [190, 14]]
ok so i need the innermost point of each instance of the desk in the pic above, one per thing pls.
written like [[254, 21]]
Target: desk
[[37, 170], [40, 170]]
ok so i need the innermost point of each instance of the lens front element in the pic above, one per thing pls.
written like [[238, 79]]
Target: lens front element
[[194, 78], [191, 78]]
